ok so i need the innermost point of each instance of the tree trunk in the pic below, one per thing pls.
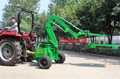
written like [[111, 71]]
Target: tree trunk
[[110, 38], [111, 33]]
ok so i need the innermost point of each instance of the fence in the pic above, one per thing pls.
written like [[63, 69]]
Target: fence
[[116, 39]]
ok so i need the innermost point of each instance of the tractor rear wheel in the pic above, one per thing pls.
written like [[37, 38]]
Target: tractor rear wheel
[[61, 58], [10, 52], [44, 62]]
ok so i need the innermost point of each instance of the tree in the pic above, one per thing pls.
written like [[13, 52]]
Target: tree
[[88, 13], [59, 2], [115, 15], [96, 16], [65, 9], [108, 10], [40, 23], [11, 10]]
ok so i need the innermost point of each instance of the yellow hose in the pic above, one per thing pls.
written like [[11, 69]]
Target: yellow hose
[[29, 52]]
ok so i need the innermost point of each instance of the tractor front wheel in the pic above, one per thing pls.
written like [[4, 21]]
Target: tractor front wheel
[[61, 58], [44, 62]]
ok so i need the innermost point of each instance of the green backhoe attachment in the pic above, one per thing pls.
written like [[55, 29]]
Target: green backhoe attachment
[[47, 51]]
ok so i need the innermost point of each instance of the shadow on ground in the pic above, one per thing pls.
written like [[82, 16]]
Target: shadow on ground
[[87, 65], [34, 64], [101, 58], [8, 66]]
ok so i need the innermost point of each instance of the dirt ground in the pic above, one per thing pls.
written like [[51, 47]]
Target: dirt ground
[[77, 66]]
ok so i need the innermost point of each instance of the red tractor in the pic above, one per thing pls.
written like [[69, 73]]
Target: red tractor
[[13, 45]]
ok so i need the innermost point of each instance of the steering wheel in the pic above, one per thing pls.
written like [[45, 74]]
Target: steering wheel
[[5, 29]]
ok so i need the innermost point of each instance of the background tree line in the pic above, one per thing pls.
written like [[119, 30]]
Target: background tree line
[[98, 16]]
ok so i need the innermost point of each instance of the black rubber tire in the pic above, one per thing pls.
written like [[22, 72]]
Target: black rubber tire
[[61, 58], [10, 52], [44, 62]]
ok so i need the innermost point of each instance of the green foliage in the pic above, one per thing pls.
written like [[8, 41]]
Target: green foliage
[[65, 9], [116, 12], [11, 10], [1, 25], [88, 13], [40, 23], [97, 15], [24, 26], [59, 2]]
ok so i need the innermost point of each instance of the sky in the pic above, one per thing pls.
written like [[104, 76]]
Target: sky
[[44, 6]]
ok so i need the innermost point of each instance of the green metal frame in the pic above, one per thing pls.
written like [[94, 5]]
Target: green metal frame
[[102, 46]]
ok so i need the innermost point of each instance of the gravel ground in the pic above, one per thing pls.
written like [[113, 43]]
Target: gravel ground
[[77, 66]]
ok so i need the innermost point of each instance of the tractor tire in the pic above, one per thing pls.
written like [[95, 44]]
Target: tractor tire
[[10, 52], [44, 62], [61, 58]]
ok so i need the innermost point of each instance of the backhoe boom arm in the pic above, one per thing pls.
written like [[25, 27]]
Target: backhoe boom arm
[[64, 25]]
